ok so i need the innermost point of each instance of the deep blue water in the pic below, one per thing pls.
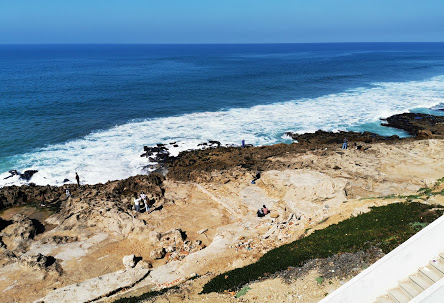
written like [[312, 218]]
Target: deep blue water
[[51, 95]]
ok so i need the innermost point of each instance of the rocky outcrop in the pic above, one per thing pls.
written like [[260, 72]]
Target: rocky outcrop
[[416, 124], [158, 253], [29, 194], [40, 262], [129, 261], [17, 236], [96, 288], [173, 245], [322, 137], [26, 175], [109, 206], [59, 239]]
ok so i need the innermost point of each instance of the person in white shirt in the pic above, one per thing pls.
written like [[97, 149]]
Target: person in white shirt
[[143, 198]]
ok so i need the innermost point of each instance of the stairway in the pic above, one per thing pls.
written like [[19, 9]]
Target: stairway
[[416, 283]]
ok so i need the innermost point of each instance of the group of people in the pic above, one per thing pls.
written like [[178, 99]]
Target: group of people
[[138, 200]]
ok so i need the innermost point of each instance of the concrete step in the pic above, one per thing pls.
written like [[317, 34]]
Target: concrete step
[[441, 255], [400, 295], [438, 263], [385, 299], [411, 287], [422, 280], [433, 273]]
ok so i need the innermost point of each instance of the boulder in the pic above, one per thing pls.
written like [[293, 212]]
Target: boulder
[[40, 262], [129, 261], [27, 175], [18, 234], [424, 134], [144, 264], [6, 256], [158, 253]]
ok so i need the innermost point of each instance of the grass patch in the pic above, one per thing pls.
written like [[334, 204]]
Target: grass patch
[[417, 226], [242, 292], [385, 227]]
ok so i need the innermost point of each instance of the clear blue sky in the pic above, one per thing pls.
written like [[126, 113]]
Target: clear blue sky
[[220, 21]]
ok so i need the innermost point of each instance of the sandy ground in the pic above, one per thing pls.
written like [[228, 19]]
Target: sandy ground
[[319, 186]]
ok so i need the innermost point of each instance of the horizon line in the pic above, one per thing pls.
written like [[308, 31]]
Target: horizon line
[[209, 43]]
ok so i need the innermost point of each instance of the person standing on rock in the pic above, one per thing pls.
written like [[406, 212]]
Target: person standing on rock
[[78, 179], [136, 203], [344, 145]]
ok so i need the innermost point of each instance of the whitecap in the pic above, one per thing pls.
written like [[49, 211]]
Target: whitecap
[[115, 153]]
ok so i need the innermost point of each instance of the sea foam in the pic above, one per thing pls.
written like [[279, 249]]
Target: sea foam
[[115, 153]]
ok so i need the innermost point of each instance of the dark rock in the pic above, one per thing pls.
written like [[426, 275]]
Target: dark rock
[[412, 123], [27, 175], [214, 143], [160, 153], [323, 137], [13, 173]]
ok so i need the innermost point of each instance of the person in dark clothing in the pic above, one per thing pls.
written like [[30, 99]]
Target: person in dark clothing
[[78, 179], [256, 177]]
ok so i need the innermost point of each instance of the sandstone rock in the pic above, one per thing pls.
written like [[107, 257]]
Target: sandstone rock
[[96, 288], [158, 253], [40, 262], [154, 237], [18, 234], [59, 240], [170, 248], [144, 264], [6, 256], [129, 261], [424, 134]]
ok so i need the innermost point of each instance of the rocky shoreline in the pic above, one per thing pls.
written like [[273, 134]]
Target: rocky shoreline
[[204, 209]]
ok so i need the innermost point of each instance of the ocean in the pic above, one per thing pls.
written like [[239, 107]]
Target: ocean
[[92, 108]]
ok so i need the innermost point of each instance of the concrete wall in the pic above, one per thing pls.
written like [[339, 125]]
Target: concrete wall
[[385, 274], [433, 294]]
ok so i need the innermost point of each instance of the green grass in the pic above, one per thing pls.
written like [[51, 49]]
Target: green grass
[[385, 227]]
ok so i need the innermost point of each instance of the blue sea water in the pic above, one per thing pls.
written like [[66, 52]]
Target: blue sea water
[[91, 108]]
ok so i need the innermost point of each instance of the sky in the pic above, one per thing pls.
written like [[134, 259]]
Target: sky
[[223, 21]]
